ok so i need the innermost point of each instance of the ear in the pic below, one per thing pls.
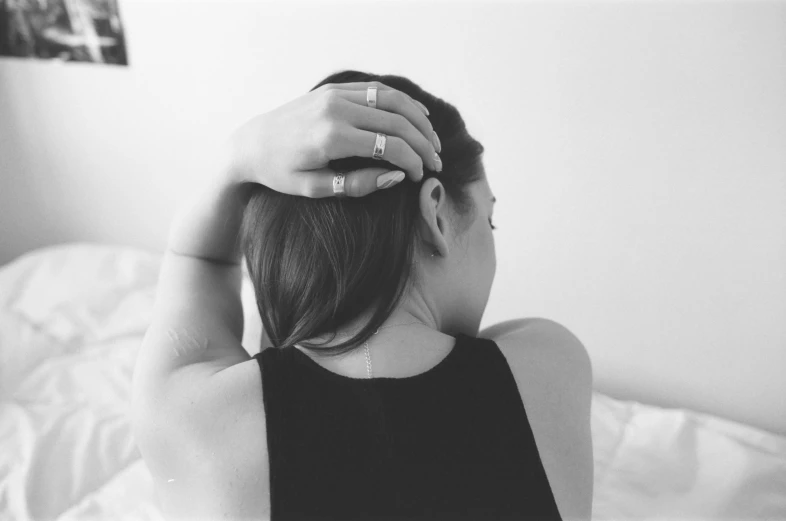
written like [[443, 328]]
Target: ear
[[434, 222]]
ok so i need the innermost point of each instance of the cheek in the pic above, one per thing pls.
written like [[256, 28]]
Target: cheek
[[489, 244], [487, 258], [487, 266], [492, 253]]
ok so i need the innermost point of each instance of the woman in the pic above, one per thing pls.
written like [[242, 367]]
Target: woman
[[380, 398]]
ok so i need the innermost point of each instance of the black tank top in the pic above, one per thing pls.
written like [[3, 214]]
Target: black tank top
[[452, 443]]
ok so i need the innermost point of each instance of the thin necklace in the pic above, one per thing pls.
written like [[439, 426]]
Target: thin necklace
[[365, 344]]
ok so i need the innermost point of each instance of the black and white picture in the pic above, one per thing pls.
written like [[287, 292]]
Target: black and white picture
[[68, 30]]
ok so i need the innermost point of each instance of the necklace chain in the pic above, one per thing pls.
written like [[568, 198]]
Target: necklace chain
[[368, 354], [365, 344]]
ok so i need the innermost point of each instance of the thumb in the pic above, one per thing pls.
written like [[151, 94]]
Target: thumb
[[367, 180], [389, 179]]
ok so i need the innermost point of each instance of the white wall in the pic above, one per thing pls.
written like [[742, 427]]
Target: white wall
[[638, 152]]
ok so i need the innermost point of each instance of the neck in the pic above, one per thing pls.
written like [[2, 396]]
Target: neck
[[404, 316], [399, 325]]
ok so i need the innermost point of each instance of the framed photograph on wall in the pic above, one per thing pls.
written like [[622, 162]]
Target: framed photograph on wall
[[68, 30]]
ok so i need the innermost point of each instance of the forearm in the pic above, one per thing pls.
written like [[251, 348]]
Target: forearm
[[207, 224]]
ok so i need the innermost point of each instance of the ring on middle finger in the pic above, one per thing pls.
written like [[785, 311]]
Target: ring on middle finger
[[371, 97], [379, 146]]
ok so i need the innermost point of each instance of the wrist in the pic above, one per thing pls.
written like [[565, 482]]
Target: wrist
[[228, 180], [207, 223], [227, 169]]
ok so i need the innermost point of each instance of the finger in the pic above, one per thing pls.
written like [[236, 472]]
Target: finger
[[357, 183], [364, 85], [392, 123], [348, 141], [390, 100]]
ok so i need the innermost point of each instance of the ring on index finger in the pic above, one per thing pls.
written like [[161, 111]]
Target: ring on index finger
[[371, 97]]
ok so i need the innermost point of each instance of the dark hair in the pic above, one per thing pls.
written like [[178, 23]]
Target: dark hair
[[318, 263]]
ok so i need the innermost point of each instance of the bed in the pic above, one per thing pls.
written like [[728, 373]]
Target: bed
[[71, 321]]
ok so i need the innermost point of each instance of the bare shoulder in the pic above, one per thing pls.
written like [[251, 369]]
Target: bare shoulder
[[541, 344], [554, 376]]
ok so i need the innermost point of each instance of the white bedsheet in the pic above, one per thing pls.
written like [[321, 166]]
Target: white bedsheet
[[71, 321]]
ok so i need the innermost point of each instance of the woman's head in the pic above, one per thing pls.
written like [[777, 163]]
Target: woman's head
[[318, 264]]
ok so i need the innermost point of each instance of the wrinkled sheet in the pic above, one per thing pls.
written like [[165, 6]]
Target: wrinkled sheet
[[72, 318]]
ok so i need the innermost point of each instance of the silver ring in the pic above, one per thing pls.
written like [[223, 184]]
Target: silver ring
[[338, 186], [371, 97], [379, 146]]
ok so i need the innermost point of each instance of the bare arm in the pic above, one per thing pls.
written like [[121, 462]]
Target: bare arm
[[554, 372], [198, 317]]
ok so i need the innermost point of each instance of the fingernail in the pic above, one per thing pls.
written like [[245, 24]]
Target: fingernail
[[389, 179], [438, 161], [422, 106], [437, 142]]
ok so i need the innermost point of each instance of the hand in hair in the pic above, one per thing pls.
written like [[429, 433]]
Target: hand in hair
[[289, 148]]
